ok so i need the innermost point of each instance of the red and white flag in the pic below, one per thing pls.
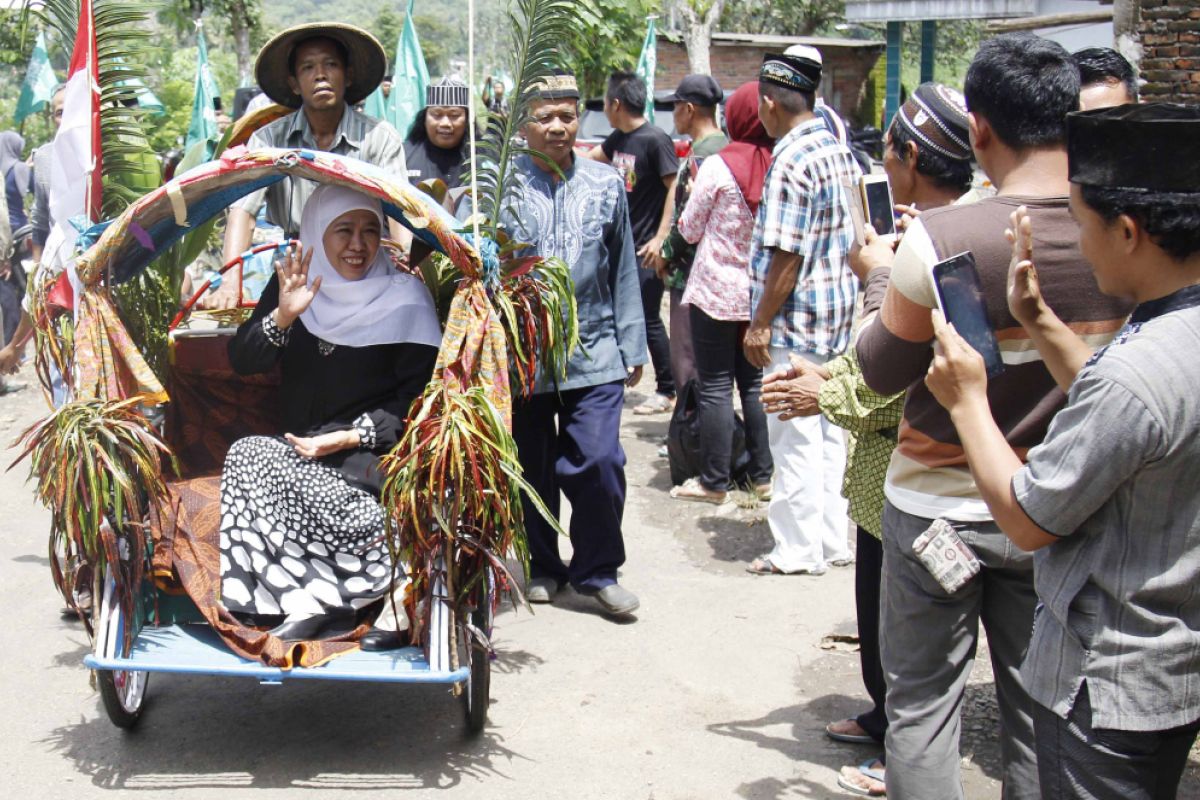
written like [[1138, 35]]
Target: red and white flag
[[75, 186], [75, 178]]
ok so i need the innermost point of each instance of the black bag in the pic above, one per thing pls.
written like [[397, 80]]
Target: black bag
[[683, 439]]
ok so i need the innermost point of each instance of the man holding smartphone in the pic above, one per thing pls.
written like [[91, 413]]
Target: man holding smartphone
[[1110, 499], [1019, 89]]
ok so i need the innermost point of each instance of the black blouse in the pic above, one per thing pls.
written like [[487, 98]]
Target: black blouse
[[321, 393]]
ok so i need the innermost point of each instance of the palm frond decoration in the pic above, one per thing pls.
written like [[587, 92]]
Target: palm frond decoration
[[98, 468], [129, 167], [539, 29]]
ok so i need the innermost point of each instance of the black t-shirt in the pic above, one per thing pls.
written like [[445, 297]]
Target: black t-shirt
[[427, 161], [643, 157]]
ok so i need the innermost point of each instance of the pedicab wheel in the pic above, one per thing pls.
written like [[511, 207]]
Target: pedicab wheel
[[476, 693], [122, 691], [124, 694]]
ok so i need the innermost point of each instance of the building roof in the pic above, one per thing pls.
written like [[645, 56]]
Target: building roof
[[771, 40], [912, 10]]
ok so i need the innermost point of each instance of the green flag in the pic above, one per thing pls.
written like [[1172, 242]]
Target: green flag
[[410, 76], [648, 64], [204, 109], [39, 83]]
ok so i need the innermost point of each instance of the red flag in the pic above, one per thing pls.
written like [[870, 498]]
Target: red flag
[[75, 183]]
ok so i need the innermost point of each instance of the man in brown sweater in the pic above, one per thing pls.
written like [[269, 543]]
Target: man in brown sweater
[[1019, 90]]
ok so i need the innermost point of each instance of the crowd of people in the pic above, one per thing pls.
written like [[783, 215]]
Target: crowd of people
[[1061, 485]]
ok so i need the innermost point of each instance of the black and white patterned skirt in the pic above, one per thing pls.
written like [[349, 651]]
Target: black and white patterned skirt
[[296, 538]]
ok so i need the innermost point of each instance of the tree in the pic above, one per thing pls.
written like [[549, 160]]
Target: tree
[[242, 19], [699, 20], [607, 36], [783, 17], [387, 27]]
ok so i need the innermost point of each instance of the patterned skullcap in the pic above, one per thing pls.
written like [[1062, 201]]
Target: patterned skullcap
[[450, 91], [936, 116], [791, 72], [559, 86]]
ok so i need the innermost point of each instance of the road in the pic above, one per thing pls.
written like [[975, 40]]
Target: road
[[719, 689]]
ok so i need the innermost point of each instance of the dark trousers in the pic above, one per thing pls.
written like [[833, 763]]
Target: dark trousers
[[656, 333], [569, 442], [868, 575], [683, 359], [1076, 760], [927, 639], [720, 361]]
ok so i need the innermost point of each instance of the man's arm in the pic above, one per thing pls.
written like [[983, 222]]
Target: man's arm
[[597, 154], [779, 285], [624, 287], [651, 251], [894, 348]]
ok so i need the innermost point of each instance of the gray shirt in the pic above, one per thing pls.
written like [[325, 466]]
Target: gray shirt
[[357, 135], [584, 220], [1118, 479], [39, 217]]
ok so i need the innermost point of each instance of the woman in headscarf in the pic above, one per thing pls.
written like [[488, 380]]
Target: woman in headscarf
[[719, 216], [301, 525], [437, 146], [16, 175]]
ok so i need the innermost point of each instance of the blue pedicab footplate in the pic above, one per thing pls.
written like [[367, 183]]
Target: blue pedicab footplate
[[196, 649]]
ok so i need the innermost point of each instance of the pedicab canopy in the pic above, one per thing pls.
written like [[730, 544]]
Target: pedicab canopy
[[109, 366], [127, 245]]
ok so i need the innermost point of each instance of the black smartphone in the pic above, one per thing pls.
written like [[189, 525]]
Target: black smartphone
[[877, 201], [960, 294]]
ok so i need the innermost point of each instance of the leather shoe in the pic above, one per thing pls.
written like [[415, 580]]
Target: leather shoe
[[616, 599], [376, 639], [310, 628], [541, 590]]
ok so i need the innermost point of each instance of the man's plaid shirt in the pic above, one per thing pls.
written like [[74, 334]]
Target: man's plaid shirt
[[805, 210]]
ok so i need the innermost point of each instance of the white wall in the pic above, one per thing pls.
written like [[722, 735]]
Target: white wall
[[1078, 36]]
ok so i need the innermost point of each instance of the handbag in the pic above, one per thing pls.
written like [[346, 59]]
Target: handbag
[[684, 451]]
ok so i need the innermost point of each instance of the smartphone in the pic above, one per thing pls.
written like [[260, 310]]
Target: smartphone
[[960, 296], [878, 204]]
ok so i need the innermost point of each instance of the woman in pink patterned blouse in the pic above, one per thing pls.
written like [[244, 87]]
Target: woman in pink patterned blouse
[[719, 216]]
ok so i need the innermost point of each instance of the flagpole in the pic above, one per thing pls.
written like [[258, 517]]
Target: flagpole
[[471, 118]]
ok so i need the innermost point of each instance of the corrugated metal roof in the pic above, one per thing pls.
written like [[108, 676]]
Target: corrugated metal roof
[[913, 10], [785, 41]]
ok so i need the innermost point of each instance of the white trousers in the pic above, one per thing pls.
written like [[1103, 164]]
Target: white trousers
[[807, 513]]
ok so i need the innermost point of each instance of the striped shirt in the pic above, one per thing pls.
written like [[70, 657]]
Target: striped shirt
[[928, 476], [357, 135], [1118, 481], [805, 210]]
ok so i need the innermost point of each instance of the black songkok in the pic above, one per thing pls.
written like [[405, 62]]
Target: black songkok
[[1152, 146], [791, 72]]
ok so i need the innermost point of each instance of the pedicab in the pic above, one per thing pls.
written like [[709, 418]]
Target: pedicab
[[129, 466]]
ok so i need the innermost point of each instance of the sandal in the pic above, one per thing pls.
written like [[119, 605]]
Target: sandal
[[763, 566], [655, 404], [831, 730], [693, 489], [865, 780]]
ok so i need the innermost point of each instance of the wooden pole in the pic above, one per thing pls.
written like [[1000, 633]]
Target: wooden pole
[[1049, 21]]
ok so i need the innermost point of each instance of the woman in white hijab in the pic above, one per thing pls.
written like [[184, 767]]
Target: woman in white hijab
[[356, 341]]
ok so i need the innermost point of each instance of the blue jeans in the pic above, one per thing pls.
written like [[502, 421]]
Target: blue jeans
[[569, 442]]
